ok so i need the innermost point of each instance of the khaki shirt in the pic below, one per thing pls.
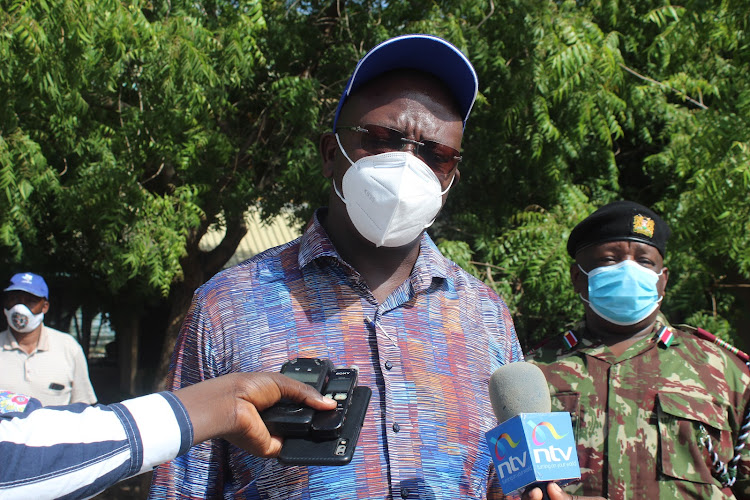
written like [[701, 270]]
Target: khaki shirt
[[56, 373]]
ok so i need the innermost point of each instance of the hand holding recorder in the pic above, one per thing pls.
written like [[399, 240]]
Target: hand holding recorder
[[290, 419], [322, 437]]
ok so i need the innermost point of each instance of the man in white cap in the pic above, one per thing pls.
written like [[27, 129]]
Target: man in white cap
[[38, 360], [365, 286]]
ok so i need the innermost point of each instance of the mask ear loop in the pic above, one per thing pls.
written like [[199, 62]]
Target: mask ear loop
[[587, 275], [453, 179], [338, 141], [333, 181], [442, 193]]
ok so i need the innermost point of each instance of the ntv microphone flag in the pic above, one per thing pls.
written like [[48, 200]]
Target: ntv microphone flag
[[534, 447]]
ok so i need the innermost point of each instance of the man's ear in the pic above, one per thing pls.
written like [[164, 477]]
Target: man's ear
[[45, 307], [575, 275], [328, 150], [662, 283]]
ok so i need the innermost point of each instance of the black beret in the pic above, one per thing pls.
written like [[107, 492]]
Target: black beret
[[620, 220]]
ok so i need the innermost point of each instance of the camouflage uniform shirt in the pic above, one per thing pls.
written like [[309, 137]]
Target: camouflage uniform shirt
[[642, 419]]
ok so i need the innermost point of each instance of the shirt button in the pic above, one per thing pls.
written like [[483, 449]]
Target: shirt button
[[388, 365], [396, 428], [404, 492]]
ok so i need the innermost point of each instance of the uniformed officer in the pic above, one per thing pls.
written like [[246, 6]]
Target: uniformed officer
[[657, 411]]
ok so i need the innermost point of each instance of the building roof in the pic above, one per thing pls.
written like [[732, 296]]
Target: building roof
[[259, 237]]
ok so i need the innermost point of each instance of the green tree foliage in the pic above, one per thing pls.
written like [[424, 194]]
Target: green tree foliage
[[589, 102], [129, 127]]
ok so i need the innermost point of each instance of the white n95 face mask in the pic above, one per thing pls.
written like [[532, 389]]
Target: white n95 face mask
[[390, 197], [21, 319]]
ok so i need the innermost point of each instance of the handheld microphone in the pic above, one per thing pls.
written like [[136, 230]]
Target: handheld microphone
[[532, 446]]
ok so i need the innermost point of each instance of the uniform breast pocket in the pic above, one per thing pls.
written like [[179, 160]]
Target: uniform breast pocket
[[568, 402], [685, 422]]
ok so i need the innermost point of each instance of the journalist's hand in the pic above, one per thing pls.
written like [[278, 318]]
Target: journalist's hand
[[229, 407]]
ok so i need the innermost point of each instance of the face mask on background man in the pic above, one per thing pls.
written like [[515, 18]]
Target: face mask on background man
[[21, 319], [623, 294]]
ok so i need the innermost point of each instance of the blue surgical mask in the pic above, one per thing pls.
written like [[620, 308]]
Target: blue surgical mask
[[623, 294]]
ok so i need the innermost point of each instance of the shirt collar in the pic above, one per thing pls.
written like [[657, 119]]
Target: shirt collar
[[9, 342], [43, 344], [593, 346], [316, 244]]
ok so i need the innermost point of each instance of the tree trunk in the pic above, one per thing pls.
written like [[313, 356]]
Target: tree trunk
[[742, 293], [88, 313], [179, 303], [197, 268], [127, 352]]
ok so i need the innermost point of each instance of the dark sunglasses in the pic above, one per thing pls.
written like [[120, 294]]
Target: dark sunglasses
[[376, 139]]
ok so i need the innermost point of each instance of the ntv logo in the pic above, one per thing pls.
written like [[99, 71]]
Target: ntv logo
[[539, 435], [551, 453], [501, 451]]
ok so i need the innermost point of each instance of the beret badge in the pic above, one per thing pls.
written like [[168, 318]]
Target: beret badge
[[643, 225]]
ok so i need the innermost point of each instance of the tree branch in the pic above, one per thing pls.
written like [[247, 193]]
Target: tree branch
[[161, 167], [663, 85], [488, 265], [214, 259], [492, 11]]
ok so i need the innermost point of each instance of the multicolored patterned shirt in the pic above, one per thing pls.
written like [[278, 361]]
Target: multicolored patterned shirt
[[643, 420], [427, 353]]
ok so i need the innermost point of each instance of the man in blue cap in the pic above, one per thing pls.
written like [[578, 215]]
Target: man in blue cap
[[38, 360], [365, 286]]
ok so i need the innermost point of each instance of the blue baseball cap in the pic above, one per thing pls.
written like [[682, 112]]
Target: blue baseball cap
[[424, 53], [29, 283]]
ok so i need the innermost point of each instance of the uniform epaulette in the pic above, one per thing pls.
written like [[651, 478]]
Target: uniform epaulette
[[569, 339], [706, 335], [541, 344]]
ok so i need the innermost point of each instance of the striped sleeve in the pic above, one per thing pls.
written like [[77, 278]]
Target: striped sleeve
[[76, 451]]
